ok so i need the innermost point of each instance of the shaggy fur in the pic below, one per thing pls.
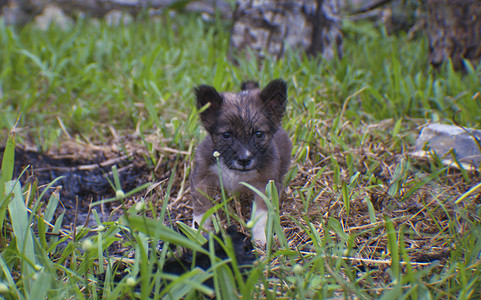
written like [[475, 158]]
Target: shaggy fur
[[245, 129]]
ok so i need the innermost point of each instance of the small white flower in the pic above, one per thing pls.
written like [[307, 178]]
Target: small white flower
[[140, 206], [131, 281], [87, 244], [119, 194], [298, 269], [216, 154]]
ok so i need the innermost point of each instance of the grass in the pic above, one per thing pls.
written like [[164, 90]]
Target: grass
[[360, 217]]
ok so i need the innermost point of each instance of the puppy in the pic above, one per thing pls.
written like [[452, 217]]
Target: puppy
[[244, 131]]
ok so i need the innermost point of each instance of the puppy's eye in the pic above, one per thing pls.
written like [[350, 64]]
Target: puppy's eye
[[259, 134], [226, 135]]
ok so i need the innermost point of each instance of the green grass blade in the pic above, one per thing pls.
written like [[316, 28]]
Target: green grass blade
[[191, 233], [371, 210], [19, 218], [393, 249], [185, 283], [158, 230], [56, 230], [8, 163], [6, 173], [345, 198], [46, 189], [41, 285], [422, 183], [51, 207], [468, 193], [8, 276], [126, 195]]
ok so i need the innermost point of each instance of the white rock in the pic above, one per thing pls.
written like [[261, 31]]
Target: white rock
[[440, 138]]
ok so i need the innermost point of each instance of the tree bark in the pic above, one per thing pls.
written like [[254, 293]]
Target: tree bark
[[454, 30], [266, 27]]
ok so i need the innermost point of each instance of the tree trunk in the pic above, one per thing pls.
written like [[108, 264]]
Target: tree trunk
[[454, 30], [269, 26]]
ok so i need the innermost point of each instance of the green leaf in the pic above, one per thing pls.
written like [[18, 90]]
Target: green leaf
[[154, 228], [8, 276], [20, 222], [393, 248], [6, 173], [394, 293], [345, 198], [397, 127], [41, 285], [56, 230], [371, 210], [191, 233], [51, 207], [335, 225], [183, 284], [422, 182], [8, 163], [468, 193], [36, 60], [396, 181]]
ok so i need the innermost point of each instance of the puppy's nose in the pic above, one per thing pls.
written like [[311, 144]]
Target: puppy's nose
[[244, 162], [245, 158]]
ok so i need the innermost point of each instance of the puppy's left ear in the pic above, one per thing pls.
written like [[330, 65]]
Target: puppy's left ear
[[274, 96]]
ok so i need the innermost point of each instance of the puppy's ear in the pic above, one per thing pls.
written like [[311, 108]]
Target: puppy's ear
[[206, 94], [274, 96]]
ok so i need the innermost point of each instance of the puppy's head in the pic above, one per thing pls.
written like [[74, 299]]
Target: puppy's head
[[242, 125]]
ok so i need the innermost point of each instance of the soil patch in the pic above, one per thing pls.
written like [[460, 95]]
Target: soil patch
[[80, 181]]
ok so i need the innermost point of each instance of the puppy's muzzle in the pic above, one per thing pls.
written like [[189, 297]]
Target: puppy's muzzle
[[245, 160]]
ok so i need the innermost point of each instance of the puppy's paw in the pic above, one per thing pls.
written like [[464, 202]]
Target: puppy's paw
[[259, 237]]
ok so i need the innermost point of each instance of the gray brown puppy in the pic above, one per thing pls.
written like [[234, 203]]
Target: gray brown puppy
[[245, 130]]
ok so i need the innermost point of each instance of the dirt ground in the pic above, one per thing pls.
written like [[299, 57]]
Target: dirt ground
[[86, 172]]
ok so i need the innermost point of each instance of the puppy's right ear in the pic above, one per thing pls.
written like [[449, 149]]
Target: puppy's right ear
[[205, 94]]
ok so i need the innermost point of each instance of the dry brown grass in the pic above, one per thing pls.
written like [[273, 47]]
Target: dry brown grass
[[430, 219]]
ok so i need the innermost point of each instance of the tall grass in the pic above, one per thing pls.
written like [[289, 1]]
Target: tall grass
[[352, 121]]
